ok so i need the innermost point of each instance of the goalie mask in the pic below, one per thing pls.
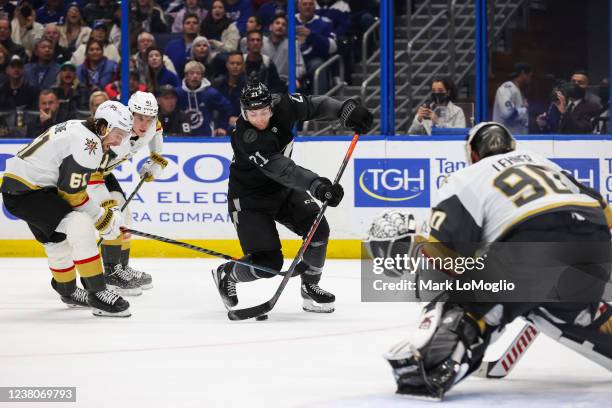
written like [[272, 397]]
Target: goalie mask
[[391, 233]]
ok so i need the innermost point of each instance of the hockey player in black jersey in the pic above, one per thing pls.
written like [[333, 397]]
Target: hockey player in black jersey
[[266, 186], [543, 231]]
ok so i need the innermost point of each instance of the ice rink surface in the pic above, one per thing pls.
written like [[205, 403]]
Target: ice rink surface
[[179, 349]]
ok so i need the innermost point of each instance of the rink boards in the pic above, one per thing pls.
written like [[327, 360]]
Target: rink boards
[[401, 172]]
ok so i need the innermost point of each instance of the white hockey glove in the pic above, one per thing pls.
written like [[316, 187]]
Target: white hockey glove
[[153, 167], [109, 221]]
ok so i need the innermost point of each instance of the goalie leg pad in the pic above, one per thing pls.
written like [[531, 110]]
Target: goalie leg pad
[[593, 340], [429, 367]]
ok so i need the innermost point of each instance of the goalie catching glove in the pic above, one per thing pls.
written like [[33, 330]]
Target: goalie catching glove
[[153, 167], [110, 220]]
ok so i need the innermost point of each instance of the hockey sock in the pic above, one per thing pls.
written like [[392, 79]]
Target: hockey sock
[[90, 270], [270, 259], [125, 252], [111, 253], [64, 280], [314, 259]]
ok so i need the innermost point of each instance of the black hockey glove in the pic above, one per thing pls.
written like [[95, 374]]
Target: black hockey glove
[[323, 190], [356, 117]]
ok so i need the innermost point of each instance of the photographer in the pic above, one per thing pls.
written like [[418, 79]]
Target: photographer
[[569, 111], [439, 110]]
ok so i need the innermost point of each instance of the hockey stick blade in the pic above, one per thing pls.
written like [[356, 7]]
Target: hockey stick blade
[[254, 311], [501, 367]]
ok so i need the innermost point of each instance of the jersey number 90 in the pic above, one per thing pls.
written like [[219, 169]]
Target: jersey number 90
[[524, 184]]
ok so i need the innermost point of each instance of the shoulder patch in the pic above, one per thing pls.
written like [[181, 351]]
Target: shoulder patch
[[90, 146], [250, 135]]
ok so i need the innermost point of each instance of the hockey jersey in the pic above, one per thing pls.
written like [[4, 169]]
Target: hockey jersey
[[63, 157], [154, 138], [480, 203], [509, 108]]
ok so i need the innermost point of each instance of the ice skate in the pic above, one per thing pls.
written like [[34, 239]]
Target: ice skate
[[77, 299], [143, 279], [108, 303], [316, 299], [121, 282], [226, 286]]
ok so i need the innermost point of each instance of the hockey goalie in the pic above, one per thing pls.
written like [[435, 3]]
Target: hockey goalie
[[545, 231]]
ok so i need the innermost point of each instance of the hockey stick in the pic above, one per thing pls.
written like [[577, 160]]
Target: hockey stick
[[142, 180], [202, 250], [501, 367], [250, 312]]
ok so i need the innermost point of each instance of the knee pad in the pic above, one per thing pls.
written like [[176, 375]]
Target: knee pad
[[98, 193], [270, 259], [80, 234], [322, 232]]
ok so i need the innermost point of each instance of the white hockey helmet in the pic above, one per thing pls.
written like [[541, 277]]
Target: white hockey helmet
[[116, 115], [143, 103]]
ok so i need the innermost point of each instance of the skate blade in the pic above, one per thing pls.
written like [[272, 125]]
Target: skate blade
[[102, 313], [419, 397], [71, 306], [310, 305], [147, 286], [125, 292]]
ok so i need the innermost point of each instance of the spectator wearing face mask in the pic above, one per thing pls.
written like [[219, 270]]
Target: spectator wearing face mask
[[438, 110], [570, 112]]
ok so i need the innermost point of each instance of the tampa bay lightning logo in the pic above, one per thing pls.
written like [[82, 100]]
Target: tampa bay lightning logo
[[196, 118], [250, 135]]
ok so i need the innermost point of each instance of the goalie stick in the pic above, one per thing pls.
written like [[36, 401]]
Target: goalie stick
[[501, 367], [258, 310]]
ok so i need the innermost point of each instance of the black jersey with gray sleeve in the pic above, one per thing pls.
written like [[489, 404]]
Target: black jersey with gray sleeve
[[262, 161]]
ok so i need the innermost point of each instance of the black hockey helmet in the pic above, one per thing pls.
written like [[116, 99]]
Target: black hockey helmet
[[254, 96], [488, 139]]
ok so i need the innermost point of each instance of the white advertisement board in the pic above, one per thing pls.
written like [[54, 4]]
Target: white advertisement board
[[190, 200]]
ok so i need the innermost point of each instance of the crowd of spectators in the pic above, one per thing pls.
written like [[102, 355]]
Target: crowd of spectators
[[58, 58]]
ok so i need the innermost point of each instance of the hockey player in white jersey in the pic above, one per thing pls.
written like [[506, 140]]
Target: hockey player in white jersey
[[45, 185], [529, 216], [147, 131], [510, 107]]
